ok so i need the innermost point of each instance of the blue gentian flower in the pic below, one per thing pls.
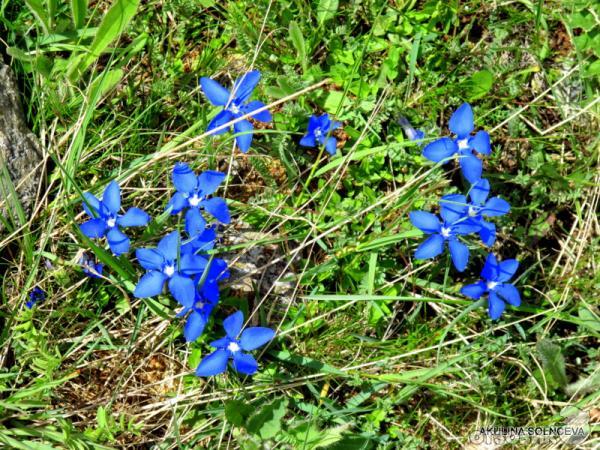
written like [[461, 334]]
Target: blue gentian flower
[[461, 124], [229, 347], [166, 264], [495, 283], [91, 268], [207, 297], [106, 220], [36, 295], [412, 134], [191, 193], [319, 128], [442, 232], [477, 208], [236, 104]]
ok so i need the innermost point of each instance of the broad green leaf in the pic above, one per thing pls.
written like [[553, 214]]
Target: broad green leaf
[[553, 361], [112, 26], [237, 412], [40, 13], [78, 10], [326, 10], [266, 423], [298, 42], [480, 84]]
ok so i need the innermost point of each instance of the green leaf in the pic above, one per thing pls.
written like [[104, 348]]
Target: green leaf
[[326, 10], [553, 361], [78, 10], [112, 26], [40, 14], [266, 423], [237, 412], [298, 42], [479, 84]]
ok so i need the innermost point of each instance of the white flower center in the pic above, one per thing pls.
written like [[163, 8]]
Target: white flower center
[[193, 201], [169, 270], [491, 285], [234, 108], [463, 144], [318, 132], [233, 347], [199, 305], [445, 232], [473, 211], [111, 222]]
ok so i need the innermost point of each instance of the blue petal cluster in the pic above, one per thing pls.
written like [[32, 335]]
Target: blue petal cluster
[[106, 220], [319, 133], [462, 215], [232, 348], [235, 105], [36, 295], [90, 267]]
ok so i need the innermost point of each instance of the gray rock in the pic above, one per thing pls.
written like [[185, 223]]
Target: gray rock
[[20, 153]]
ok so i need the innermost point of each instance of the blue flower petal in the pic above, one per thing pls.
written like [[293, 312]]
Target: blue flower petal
[[433, 246], [479, 191], [495, 306], [255, 337], [243, 87], [474, 291], [453, 207], [263, 116], [168, 246], [461, 121], [184, 178], [490, 268], [331, 145], [210, 290], [176, 203], [487, 233], [459, 253], [216, 94], [93, 203], [471, 167], [183, 290], [506, 269], [112, 197], [94, 228], [209, 181], [233, 324], [192, 264], [244, 363], [220, 119], [495, 206], [425, 221], [213, 364], [217, 207], [220, 343], [194, 326], [466, 227], [194, 222], [117, 241], [134, 217], [509, 293], [481, 143], [149, 258], [243, 140], [150, 284], [440, 149], [308, 140], [313, 124]]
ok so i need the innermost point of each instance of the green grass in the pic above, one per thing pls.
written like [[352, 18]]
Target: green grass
[[374, 350]]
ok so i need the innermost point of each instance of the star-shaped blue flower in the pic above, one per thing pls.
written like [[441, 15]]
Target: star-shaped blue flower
[[207, 297], [495, 283], [441, 232], [461, 124], [166, 264], [319, 129], [230, 347], [236, 104], [106, 220], [191, 193], [478, 208]]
